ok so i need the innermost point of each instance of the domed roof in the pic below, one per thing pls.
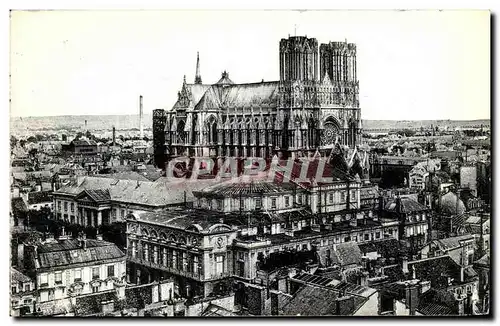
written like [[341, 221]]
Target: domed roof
[[449, 204]]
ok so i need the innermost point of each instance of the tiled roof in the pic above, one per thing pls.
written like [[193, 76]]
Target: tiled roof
[[159, 193], [90, 304], [241, 96], [182, 219], [98, 195], [39, 197], [436, 270], [239, 186], [408, 205], [386, 248], [348, 253], [312, 301], [436, 303], [84, 142], [129, 175], [67, 252], [323, 301], [17, 276], [483, 261], [18, 205], [453, 242], [216, 311]]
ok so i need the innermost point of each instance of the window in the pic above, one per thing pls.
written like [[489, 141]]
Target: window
[[72, 207], [377, 235], [273, 202], [343, 196], [58, 277], [287, 201], [122, 213], [59, 205], [299, 199], [27, 287], [13, 289], [242, 203], [367, 237], [78, 275], [219, 204], [330, 197], [219, 265], [111, 270], [44, 280], [95, 273], [65, 205], [95, 288], [134, 249], [258, 203]]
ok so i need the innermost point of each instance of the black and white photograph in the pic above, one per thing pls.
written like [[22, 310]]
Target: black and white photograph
[[257, 163]]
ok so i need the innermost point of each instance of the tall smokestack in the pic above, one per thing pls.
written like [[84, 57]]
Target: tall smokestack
[[141, 127], [114, 136]]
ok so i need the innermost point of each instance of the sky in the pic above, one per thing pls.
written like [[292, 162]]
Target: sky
[[411, 64]]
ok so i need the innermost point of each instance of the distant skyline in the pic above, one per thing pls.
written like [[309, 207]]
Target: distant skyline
[[412, 65]]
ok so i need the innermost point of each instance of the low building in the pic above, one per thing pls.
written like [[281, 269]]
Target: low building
[[67, 268], [80, 147], [22, 294], [93, 201]]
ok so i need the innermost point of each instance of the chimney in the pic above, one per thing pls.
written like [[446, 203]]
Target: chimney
[[63, 235], [141, 124], [344, 305], [107, 306], [425, 286], [364, 278], [404, 264], [114, 136], [83, 243], [411, 292], [163, 290]]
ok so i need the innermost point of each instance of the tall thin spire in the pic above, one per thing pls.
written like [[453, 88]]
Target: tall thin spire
[[197, 78]]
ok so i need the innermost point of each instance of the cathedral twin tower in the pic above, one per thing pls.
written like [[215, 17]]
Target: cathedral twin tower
[[314, 105]]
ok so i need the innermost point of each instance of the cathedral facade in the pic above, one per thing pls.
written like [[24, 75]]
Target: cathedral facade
[[313, 106]]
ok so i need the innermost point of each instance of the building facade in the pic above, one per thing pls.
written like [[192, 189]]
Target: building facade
[[314, 104]]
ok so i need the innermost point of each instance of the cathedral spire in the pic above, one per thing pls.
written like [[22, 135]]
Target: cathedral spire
[[197, 78]]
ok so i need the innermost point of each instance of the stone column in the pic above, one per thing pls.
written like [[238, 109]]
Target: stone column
[[99, 218]]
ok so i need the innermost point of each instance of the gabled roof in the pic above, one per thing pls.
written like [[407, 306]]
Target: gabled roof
[[96, 195], [17, 276]]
